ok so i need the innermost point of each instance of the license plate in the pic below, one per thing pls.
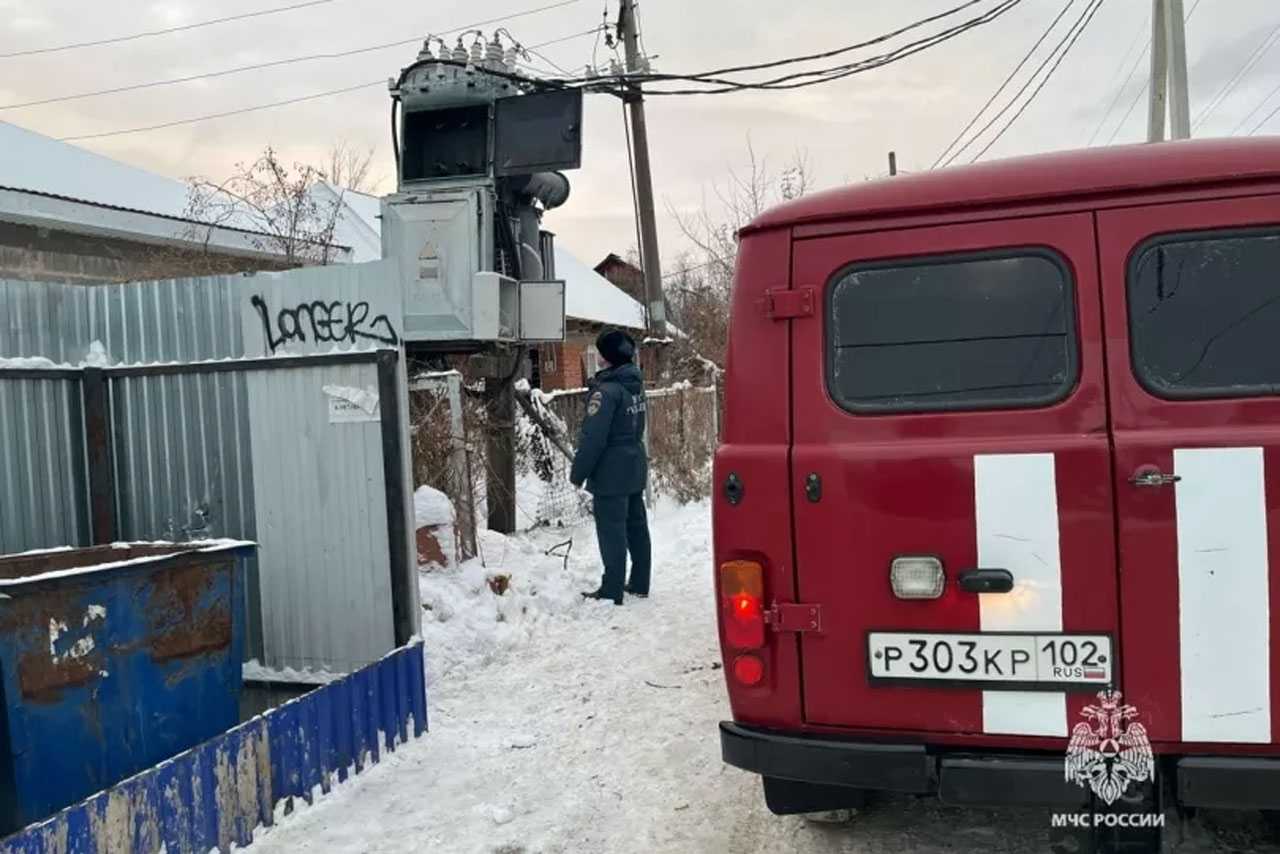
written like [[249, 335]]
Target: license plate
[[999, 661]]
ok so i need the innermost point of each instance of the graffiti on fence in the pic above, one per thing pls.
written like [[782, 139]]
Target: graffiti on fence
[[327, 321]]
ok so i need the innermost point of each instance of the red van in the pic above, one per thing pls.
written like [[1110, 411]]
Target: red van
[[1000, 486]]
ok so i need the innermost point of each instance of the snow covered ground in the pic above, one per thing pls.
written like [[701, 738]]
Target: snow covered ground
[[564, 726]]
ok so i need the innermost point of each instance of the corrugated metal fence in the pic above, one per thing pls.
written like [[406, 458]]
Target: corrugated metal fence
[[185, 441], [42, 465]]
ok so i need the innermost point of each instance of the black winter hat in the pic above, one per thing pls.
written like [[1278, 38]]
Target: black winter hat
[[616, 347]]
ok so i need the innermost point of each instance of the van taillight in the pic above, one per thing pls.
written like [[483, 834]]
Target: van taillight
[[742, 603]]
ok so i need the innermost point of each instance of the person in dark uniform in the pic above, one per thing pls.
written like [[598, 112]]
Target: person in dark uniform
[[611, 461]]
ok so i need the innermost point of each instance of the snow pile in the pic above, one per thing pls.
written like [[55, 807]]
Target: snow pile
[[97, 356], [465, 623], [432, 509]]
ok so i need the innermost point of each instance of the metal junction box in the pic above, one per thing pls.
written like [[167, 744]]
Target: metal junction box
[[444, 261], [436, 240], [542, 311]]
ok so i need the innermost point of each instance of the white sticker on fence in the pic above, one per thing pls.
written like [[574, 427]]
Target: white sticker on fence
[[352, 405]]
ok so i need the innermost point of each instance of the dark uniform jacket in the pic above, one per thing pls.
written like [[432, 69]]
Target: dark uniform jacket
[[610, 457]]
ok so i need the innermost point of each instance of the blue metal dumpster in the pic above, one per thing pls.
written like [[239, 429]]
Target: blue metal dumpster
[[112, 659]]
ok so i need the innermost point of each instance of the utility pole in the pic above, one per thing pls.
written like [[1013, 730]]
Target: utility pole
[[1159, 72], [1168, 72], [652, 261], [1175, 25], [893, 163], [499, 371]]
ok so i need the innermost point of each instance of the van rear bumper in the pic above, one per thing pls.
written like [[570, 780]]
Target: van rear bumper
[[980, 779]]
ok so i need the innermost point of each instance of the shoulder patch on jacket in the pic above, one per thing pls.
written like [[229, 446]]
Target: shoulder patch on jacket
[[595, 402]]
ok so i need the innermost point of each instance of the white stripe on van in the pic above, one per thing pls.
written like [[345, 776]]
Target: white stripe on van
[[1223, 595], [1017, 525]]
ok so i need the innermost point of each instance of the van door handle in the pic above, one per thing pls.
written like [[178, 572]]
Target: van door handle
[[985, 580], [1153, 477]]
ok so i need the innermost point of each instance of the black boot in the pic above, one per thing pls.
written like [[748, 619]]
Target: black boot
[[639, 594], [602, 595]]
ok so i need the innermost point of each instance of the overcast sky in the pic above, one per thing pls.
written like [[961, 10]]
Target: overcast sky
[[846, 128]]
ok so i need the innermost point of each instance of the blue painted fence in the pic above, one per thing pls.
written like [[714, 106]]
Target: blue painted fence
[[218, 793]]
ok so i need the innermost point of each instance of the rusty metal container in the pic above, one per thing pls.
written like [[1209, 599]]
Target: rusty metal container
[[112, 659]]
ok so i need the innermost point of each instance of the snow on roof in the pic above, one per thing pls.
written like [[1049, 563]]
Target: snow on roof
[[365, 206], [41, 164], [590, 296], [35, 163], [358, 225]]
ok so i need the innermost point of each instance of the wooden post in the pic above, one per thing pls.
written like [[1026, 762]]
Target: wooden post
[[500, 444]]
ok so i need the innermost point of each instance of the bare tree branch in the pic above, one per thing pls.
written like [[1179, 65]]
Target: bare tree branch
[[275, 201], [699, 285], [352, 168]]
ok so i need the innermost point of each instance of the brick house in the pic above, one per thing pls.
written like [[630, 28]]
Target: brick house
[[623, 274]]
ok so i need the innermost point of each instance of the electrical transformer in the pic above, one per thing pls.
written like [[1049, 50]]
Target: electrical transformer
[[478, 153]]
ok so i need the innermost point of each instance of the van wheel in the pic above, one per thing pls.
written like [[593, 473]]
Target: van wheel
[[788, 797]]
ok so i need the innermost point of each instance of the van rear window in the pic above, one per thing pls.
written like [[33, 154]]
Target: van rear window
[[955, 332], [1204, 314]]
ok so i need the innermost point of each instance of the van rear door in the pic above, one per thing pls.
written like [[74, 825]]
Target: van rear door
[[1193, 327], [949, 405]]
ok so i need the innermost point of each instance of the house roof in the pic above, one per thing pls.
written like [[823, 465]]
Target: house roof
[[44, 180], [615, 260], [358, 225], [41, 164], [1059, 176], [590, 296]]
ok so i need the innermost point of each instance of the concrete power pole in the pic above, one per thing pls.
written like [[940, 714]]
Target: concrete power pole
[[1175, 26], [652, 261], [1168, 72]]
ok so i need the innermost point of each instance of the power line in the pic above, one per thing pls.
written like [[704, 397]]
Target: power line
[[275, 63], [824, 75], [1268, 117], [166, 31], [228, 113], [1254, 58], [696, 267], [1026, 58], [1133, 69], [211, 116], [955, 155], [1079, 32], [531, 48], [837, 51], [1254, 112], [601, 84], [1132, 106]]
